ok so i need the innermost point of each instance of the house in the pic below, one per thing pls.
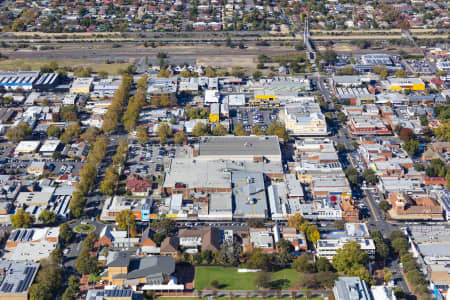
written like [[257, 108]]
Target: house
[[147, 244], [138, 186], [115, 238], [206, 238], [414, 206], [169, 246]]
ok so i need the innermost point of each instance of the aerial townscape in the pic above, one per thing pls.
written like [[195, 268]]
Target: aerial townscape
[[224, 149]]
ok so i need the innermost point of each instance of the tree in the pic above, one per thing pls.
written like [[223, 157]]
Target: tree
[[230, 252], [341, 148], [257, 75], [349, 257], [47, 217], [257, 130], [406, 134], [279, 130], [263, 280], [219, 130], [18, 133], [411, 147], [329, 56], [369, 176], [384, 206], [323, 265], [180, 137], [401, 74], [21, 219], [352, 175], [215, 284], [125, 220], [69, 113], [260, 260], [200, 129], [239, 130], [65, 233], [142, 135], [303, 264], [442, 132], [53, 130], [72, 131], [384, 73], [164, 132]]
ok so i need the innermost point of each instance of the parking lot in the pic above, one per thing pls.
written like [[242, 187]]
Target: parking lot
[[149, 160], [249, 117]]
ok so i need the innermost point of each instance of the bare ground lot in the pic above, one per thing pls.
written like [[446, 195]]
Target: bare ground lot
[[94, 57]]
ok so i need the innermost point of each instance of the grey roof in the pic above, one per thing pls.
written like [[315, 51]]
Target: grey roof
[[17, 276], [118, 259], [249, 195], [351, 288], [152, 265], [239, 145]]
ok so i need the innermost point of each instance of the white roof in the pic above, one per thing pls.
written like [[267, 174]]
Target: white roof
[[49, 146], [27, 146]]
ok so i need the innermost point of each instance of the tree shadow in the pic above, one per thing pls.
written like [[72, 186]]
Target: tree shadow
[[280, 284]]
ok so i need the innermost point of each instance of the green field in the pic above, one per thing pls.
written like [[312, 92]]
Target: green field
[[86, 228], [230, 279]]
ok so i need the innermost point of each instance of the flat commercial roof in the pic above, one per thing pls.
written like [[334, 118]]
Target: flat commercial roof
[[249, 195], [239, 145], [49, 146], [17, 276], [27, 146]]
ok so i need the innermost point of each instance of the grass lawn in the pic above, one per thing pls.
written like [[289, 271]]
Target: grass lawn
[[84, 228], [234, 298], [19, 64], [230, 279]]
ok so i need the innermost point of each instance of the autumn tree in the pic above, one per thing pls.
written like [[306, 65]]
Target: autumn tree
[[21, 219]]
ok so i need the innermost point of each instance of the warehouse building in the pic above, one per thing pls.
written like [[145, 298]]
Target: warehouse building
[[18, 80]]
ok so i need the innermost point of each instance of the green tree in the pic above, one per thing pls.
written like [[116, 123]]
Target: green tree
[[401, 73], [47, 217], [323, 265], [164, 132], [352, 175], [142, 135], [257, 75], [384, 205], [18, 133], [65, 233], [125, 220], [219, 130], [411, 147], [279, 130], [260, 260], [21, 219], [263, 280], [349, 257], [90, 134], [53, 130], [239, 130], [369, 176], [180, 137], [72, 131], [303, 264], [200, 129]]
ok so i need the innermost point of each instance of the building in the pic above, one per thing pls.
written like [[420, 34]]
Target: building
[[413, 83], [49, 147], [414, 206], [18, 80], [138, 186], [82, 85], [117, 293], [262, 238], [27, 147], [212, 96], [147, 272], [376, 59], [114, 205], [32, 244], [203, 239], [304, 119], [169, 246], [254, 148], [351, 288], [214, 113], [16, 278], [115, 239], [328, 247], [249, 195], [36, 168]]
